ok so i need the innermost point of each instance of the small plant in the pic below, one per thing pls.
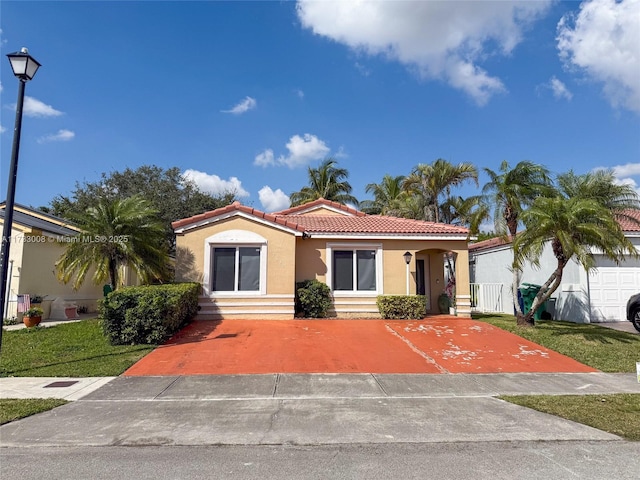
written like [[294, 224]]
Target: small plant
[[401, 306], [11, 321], [313, 299], [34, 312], [36, 298], [83, 309]]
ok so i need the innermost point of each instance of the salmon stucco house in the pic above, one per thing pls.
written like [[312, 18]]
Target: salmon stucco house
[[248, 261]]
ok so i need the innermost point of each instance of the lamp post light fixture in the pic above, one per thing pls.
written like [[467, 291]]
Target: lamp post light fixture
[[407, 259], [24, 67]]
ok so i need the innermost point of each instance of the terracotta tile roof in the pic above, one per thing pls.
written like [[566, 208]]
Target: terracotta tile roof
[[373, 224], [629, 225], [236, 206], [489, 243], [319, 203], [359, 223]]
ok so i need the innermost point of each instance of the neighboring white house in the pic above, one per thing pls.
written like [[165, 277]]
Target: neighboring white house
[[598, 296]]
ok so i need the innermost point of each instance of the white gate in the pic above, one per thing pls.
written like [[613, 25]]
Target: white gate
[[486, 297]]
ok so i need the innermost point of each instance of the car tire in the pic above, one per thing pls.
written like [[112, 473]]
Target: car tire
[[635, 318]]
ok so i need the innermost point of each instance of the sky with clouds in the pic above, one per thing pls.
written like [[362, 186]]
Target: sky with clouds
[[245, 96]]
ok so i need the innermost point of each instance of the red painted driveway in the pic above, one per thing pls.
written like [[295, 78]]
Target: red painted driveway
[[433, 345]]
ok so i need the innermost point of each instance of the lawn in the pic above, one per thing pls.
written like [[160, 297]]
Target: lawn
[[76, 349], [603, 348], [14, 409], [618, 414]]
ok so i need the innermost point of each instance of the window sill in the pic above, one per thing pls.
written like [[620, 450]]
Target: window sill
[[351, 293]]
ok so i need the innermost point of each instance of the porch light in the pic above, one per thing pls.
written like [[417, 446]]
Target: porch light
[[407, 259]]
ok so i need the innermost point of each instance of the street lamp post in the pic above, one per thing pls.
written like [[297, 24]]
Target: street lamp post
[[24, 67], [407, 259]]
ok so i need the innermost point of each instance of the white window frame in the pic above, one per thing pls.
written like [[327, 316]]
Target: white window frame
[[377, 247], [234, 239]]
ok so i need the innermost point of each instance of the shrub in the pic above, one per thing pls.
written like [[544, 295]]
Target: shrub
[[401, 306], [148, 314], [313, 299]]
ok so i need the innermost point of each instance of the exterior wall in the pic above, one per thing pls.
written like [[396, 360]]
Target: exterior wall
[[569, 302], [311, 259], [278, 301], [38, 276], [15, 266], [324, 212], [311, 262]]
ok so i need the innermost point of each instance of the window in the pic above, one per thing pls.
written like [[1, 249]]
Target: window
[[236, 269], [354, 268]]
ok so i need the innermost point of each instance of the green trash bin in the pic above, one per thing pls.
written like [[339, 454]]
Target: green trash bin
[[528, 291]]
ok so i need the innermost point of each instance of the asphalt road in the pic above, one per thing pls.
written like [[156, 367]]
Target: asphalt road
[[488, 460]]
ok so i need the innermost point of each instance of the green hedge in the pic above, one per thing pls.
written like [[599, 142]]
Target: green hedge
[[313, 299], [149, 314], [401, 306]]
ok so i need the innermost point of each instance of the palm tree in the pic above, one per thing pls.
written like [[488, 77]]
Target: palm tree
[[511, 191], [387, 196], [581, 217], [328, 182], [469, 212], [410, 205], [432, 181], [114, 234]]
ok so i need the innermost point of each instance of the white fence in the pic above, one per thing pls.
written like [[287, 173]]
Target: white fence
[[486, 297]]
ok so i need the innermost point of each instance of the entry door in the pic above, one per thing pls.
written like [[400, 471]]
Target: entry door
[[422, 280]]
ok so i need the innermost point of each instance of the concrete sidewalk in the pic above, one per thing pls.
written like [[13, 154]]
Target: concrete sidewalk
[[217, 387], [277, 409], [67, 388]]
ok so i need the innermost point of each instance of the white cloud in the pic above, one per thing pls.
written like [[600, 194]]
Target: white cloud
[[265, 159], [627, 170], [559, 89], [623, 174], [243, 106], [215, 185], [60, 136], [300, 93], [602, 40], [273, 201], [444, 40], [302, 151], [36, 108], [2, 129]]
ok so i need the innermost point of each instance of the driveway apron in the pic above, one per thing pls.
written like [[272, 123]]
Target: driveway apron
[[433, 345]]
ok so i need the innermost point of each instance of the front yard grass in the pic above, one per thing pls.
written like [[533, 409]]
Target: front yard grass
[[16, 408], [617, 413], [603, 348], [76, 349]]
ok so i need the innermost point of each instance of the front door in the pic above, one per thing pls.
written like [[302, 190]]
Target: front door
[[422, 280]]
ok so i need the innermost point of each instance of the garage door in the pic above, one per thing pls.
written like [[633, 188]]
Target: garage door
[[610, 288]]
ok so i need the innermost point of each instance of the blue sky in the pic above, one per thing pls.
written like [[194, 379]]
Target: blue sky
[[248, 95]]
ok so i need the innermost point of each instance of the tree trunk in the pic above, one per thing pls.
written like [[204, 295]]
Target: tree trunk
[[525, 319], [113, 274], [514, 291]]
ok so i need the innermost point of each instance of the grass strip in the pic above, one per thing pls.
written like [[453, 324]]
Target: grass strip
[[16, 408], [76, 349], [614, 413], [603, 348]]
